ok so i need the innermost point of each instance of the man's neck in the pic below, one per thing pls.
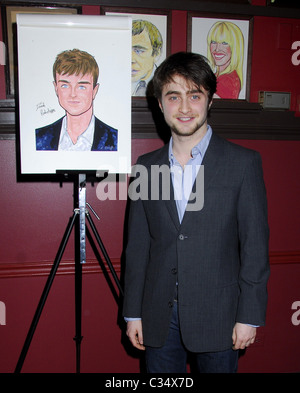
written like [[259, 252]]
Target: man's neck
[[183, 145], [76, 125]]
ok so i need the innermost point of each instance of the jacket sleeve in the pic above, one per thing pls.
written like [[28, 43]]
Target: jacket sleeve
[[254, 250], [137, 257]]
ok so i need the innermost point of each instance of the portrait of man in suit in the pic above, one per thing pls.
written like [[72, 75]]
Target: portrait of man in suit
[[147, 44], [196, 279], [75, 74]]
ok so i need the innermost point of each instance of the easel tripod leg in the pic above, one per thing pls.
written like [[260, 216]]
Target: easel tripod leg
[[78, 311], [104, 252], [45, 294]]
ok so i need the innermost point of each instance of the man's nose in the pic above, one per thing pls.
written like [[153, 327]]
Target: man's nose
[[133, 56], [184, 106], [73, 91]]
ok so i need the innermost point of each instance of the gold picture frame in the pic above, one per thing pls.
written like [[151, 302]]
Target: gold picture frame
[[9, 27]]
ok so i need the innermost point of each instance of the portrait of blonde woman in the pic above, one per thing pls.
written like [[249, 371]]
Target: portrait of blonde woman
[[225, 52]]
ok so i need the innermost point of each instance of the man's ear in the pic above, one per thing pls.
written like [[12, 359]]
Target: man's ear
[[160, 105], [95, 91], [157, 56], [55, 87]]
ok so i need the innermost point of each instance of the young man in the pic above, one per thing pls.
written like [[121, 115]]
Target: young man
[[195, 279], [75, 74]]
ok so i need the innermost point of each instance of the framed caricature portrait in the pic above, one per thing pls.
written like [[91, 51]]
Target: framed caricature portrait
[[226, 43], [74, 93], [150, 43]]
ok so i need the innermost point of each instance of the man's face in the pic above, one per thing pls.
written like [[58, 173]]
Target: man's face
[[185, 107], [75, 93], [142, 61]]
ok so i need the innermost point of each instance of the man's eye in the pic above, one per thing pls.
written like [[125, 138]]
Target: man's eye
[[139, 51], [173, 98], [195, 97], [81, 87], [64, 86]]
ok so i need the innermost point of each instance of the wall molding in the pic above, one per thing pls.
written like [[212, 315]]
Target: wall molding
[[66, 267], [284, 257], [43, 268], [231, 119]]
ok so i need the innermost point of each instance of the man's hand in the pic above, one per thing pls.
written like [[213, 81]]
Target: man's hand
[[243, 335], [135, 334]]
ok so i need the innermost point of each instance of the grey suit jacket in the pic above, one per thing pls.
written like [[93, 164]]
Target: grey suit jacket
[[218, 255]]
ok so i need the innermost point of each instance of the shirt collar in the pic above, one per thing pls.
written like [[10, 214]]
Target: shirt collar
[[200, 148], [134, 85], [87, 135]]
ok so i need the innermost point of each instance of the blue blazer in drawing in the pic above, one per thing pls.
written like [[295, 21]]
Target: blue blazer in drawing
[[105, 136]]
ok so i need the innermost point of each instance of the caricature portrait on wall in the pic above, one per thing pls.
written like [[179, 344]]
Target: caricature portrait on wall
[[75, 95], [224, 43], [149, 47]]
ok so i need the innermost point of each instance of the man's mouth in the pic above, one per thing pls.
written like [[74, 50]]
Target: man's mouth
[[185, 119]]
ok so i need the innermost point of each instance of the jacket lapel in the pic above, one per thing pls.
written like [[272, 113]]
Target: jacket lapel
[[212, 158], [211, 162], [171, 206], [170, 203]]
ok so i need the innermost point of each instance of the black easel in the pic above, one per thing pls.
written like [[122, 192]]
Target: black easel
[[81, 212]]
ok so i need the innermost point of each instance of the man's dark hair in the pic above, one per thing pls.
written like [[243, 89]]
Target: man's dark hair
[[191, 66]]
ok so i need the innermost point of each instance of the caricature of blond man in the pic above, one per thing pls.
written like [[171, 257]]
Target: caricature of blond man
[[147, 44]]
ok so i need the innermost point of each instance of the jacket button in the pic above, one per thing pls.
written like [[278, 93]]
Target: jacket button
[[174, 270], [181, 237], [170, 304]]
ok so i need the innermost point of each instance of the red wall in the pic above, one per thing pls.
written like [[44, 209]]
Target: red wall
[[272, 67], [34, 216]]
